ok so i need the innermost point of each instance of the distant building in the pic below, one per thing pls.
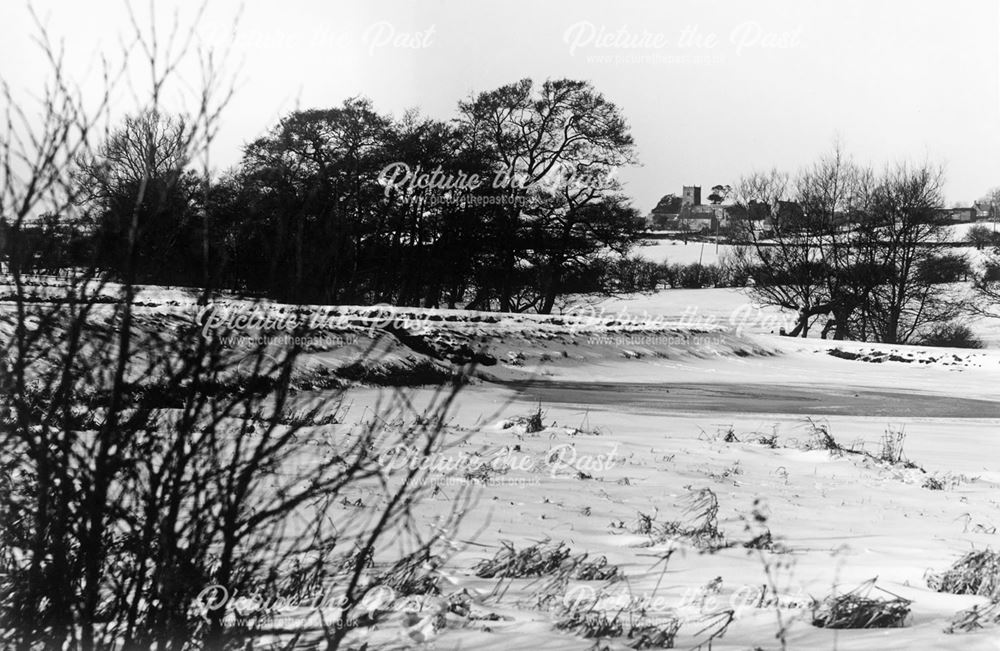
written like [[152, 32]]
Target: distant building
[[697, 218], [985, 210], [687, 213], [958, 215], [704, 218]]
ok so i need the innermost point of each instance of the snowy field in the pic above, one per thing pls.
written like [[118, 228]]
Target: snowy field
[[722, 481], [676, 251], [630, 457]]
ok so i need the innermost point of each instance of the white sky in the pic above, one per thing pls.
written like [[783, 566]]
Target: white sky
[[892, 79]]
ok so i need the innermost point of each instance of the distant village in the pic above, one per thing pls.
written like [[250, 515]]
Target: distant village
[[687, 213]]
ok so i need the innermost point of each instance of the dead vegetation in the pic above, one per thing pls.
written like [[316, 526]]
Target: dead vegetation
[[932, 483], [404, 373], [644, 632], [545, 559], [415, 574], [532, 423], [764, 541], [699, 526], [819, 437], [857, 609], [892, 447], [976, 573], [975, 618]]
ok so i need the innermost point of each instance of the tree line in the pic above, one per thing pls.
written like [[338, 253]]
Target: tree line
[[867, 250], [348, 205], [509, 206]]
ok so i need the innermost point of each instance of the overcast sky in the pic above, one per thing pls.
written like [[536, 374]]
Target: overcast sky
[[712, 89]]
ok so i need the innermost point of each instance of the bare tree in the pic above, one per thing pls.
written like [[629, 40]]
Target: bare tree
[[986, 287], [841, 241], [834, 196], [906, 231], [143, 169], [554, 150], [778, 252]]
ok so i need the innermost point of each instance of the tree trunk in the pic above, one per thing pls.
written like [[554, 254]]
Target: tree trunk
[[550, 290]]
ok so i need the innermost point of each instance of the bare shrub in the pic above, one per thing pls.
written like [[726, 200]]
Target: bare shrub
[[142, 465], [952, 335]]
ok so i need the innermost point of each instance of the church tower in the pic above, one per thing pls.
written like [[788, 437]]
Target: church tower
[[692, 195]]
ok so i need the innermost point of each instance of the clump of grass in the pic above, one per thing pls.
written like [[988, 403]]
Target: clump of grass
[[598, 569], [727, 473], [483, 473], [976, 573], [727, 435], [591, 623], [545, 559], [644, 524], [654, 636], [700, 526], [586, 428], [761, 541], [975, 618], [767, 440], [891, 452], [633, 623], [892, 446], [534, 423], [856, 609], [301, 418], [703, 512], [415, 574], [932, 483], [821, 439]]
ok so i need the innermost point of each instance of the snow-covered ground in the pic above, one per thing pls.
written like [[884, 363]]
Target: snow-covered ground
[[677, 251], [838, 519], [644, 421], [637, 425], [730, 307]]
